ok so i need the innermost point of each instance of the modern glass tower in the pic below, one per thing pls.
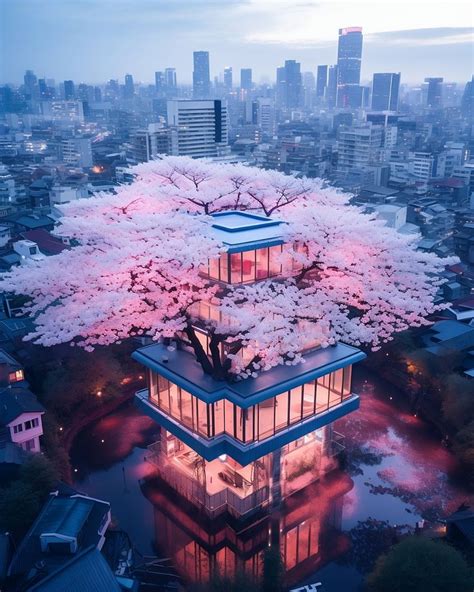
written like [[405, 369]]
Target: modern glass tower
[[241, 446], [349, 58], [201, 75], [385, 88]]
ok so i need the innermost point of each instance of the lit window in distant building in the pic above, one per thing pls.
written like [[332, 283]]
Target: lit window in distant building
[[16, 376]]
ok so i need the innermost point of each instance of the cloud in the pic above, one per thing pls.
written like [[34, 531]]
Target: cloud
[[423, 37]]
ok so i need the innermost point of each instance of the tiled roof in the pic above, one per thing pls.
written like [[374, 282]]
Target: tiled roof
[[14, 401]]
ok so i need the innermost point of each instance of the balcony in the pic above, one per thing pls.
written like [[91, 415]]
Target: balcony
[[204, 484]]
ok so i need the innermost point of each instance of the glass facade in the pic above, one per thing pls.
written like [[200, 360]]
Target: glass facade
[[249, 266], [258, 422]]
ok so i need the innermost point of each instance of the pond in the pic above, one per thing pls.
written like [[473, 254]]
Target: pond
[[395, 472]]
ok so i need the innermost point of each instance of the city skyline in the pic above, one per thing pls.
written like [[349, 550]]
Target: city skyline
[[271, 31]]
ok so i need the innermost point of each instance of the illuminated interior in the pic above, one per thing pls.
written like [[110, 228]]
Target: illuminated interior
[[223, 482], [257, 422], [250, 266]]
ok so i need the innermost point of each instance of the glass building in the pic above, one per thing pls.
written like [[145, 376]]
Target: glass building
[[239, 447], [349, 59], [385, 88], [201, 75]]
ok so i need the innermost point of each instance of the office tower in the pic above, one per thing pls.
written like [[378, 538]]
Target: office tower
[[69, 90], [349, 57], [201, 75], [85, 92], [148, 143], [30, 81], [44, 91], [289, 85], [129, 88], [385, 88], [97, 94], [159, 82], [77, 152], [201, 126], [331, 90], [358, 147], [266, 115], [246, 78], [434, 94], [309, 86], [171, 82], [238, 447], [467, 101], [228, 79], [321, 81]]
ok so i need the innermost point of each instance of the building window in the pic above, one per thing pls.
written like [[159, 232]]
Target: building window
[[31, 423], [29, 445], [257, 422], [18, 428], [16, 376]]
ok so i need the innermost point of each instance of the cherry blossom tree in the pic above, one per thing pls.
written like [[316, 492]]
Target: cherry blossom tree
[[136, 270]]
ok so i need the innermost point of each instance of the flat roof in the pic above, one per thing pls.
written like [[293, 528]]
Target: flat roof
[[241, 231], [181, 368]]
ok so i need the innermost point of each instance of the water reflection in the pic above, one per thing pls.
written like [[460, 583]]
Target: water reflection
[[396, 470], [307, 527]]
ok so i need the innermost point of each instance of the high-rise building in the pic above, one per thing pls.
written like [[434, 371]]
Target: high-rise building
[[467, 101], [358, 147], [321, 81], [171, 82], [289, 85], [385, 88], [435, 92], [331, 90], [238, 447], [69, 90], [228, 78], [266, 115], [246, 78], [30, 81], [309, 86], [159, 82], [129, 89], [148, 143], [349, 58], [201, 126], [201, 75]]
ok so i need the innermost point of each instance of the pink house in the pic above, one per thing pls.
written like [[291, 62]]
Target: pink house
[[20, 418]]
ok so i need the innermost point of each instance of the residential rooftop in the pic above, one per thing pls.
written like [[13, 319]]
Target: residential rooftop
[[241, 231]]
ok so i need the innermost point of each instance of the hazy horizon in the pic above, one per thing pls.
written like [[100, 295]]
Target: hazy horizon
[[95, 40]]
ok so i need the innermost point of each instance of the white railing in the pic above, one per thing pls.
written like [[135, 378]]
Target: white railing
[[215, 503]]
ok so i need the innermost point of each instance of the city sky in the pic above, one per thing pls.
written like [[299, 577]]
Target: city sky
[[95, 40]]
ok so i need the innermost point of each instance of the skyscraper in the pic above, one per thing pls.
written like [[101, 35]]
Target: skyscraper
[[159, 82], [321, 81], [69, 91], [331, 90], [201, 127], [289, 85], [435, 89], [385, 87], [467, 102], [129, 89], [201, 75], [228, 78], [171, 83], [30, 81], [246, 78], [349, 58]]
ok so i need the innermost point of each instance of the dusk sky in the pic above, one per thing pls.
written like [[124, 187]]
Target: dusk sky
[[95, 40]]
